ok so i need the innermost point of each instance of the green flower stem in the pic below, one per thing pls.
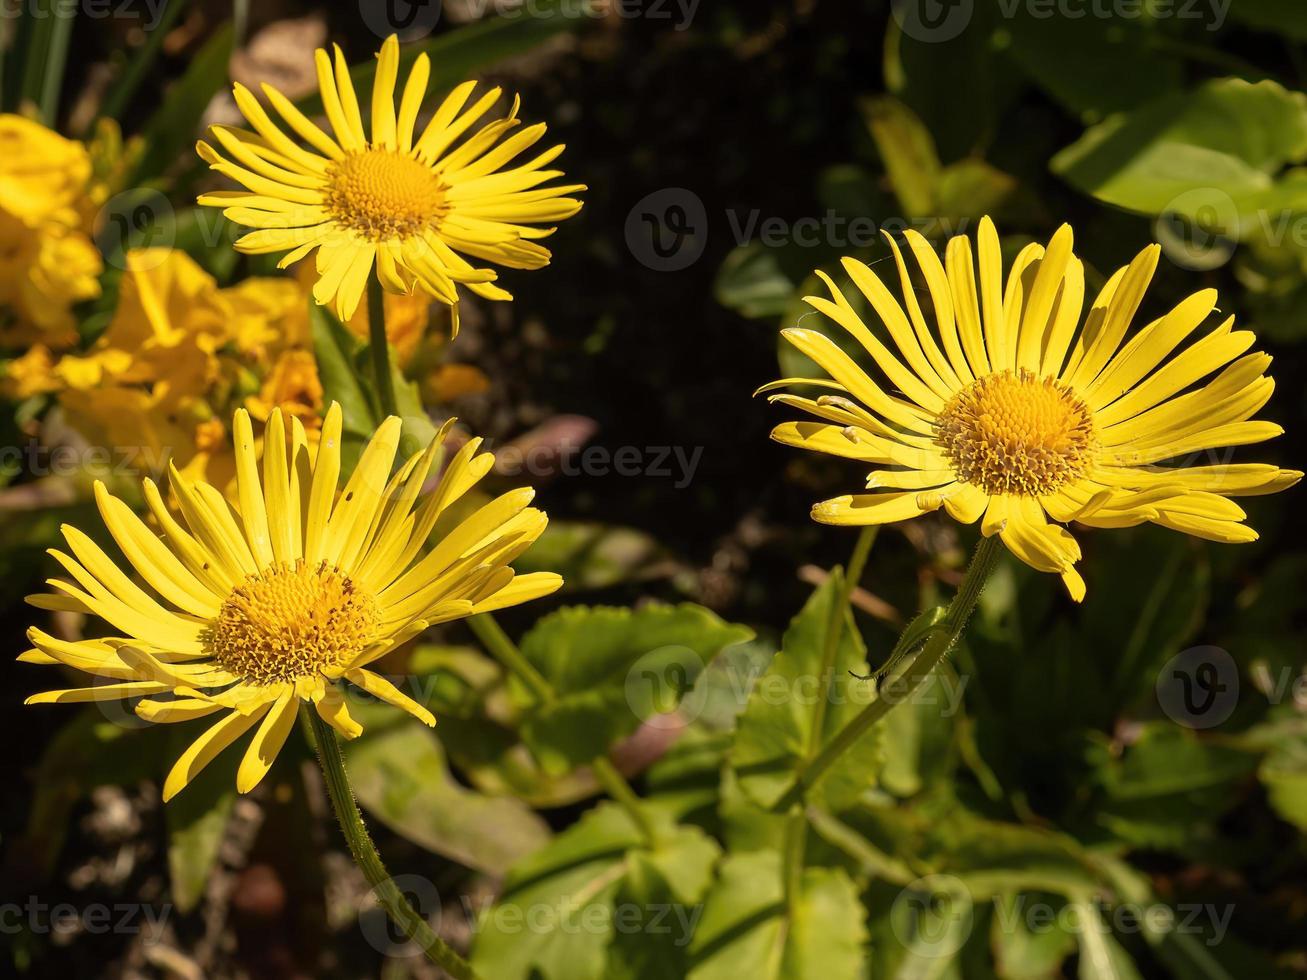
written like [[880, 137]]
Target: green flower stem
[[915, 666], [380, 346], [503, 649], [795, 842], [835, 627], [413, 925]]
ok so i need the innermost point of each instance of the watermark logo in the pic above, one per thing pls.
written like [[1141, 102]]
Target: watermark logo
[[933, 916], [1199, 687], [377, 928], [933, 21], [660, 687], [667, 230], [1198, 229], [135, 219], [412, 20]]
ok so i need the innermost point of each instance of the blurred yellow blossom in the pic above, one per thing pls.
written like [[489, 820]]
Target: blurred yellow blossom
[[49, 196], [179, 355]]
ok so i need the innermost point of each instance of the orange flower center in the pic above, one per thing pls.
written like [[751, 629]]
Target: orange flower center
[[290, 621], [382, 194], [1016, 433]]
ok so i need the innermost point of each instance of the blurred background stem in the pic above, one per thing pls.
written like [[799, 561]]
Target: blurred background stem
[[501, 646]]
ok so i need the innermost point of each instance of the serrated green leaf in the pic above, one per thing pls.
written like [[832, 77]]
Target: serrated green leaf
[[559, 911], [799, 692], [612, 669], [746, 931]]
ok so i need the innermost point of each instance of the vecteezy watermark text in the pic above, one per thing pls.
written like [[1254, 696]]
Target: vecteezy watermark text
[[677, 463], [97, 918]]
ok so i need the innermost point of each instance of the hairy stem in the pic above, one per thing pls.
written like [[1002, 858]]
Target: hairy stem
[[912, 670], [413, 925]]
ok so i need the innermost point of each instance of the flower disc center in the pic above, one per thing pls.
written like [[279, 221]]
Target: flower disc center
[[290, 621], [1016, 433], [383, 194]]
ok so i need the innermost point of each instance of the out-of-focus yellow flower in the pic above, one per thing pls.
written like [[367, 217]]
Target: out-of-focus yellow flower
[[450, 381], [407, 316], [48, 200], [292, 385], [269, 315], [411, 204], [406, 322], [289, 596], [179, 355], [42, 175], [31, 374]]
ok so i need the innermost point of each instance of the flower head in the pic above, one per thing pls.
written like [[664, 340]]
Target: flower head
[[289, 595], [414, 204], [1018, 409]]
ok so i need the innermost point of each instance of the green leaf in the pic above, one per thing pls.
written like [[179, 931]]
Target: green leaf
[[463, 52], [171, 130], [917, 736], [752, 282], [1284, 774], [560, 908], [1093, 65], [476, 729], [1169, 786], [908, 152], [197, 820], [1022, 953], [968, 190], [337, 351], [399, 774], [612, 669], [778, 730], [590, 555], [1227, 136], [657, 908], [956, 85], [746, 931], [1101, 956], [1286, 18]]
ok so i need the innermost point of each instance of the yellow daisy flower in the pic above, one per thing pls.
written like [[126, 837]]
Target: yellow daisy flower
[[411, 203], [1015, 410], [287, 596]]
